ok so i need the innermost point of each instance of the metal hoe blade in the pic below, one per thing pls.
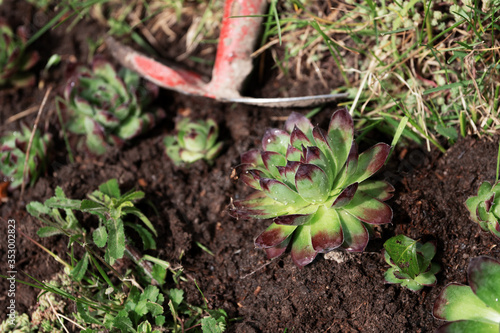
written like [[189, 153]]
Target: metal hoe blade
[[233, 63]]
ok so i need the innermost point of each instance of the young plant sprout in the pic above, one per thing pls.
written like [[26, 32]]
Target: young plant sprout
[[108, 107], [473, 308], [13, 150], [410, 262], [314, 185], [14, 61], [194, 140], [485, 209]]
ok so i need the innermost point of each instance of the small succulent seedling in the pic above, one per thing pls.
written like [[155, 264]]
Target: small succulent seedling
[[485, 208], [14, 61], [410, 262], [473, 308], [13, 149], [108, 107], [194, 140], [314, 185]]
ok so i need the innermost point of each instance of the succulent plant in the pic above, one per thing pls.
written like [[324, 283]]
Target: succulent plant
[[473, 308], [194, 140], [314, 185], [109, 107], [410, 262], [485, 208], [14, 61], [13, 149]]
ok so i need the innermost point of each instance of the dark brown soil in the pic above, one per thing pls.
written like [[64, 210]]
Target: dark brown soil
[[345, 293]]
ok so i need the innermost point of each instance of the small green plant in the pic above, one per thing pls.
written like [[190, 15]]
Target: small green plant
[[133, 302], [14, 60], [193, 141], [21, 324], [314, 184], [13, 150], [108, 107], [109, 205], [410, 262], [484, 208], [473, 308]]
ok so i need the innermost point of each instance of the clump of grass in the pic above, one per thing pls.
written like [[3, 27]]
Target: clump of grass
[[433, 63]]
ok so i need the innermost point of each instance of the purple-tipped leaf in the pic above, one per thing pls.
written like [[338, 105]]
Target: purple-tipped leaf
[[320, 138], [340, 135], [377, 189], [484, 279], [303, 252], [276, 140], [315, 156], [368, 209], [288, 172], [252, 178], [280, 192], [494, 228], [274, 235], [258, 205], [272, 160], [326, 230], [276, 251], [345, 196], [252, 157], [294, 154], [356, 235], [297, 119], [312, 183], [296, 219], [299, 138], [458, 302], [370, 162]]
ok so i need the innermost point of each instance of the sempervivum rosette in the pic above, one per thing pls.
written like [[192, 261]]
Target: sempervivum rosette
[[109, 107], [14, 60], [485, 207], [13, 150], [313, 184]]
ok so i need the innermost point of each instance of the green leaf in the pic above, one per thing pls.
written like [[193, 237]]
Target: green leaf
[[100, 236], [458, 302], [147, 239], [36, 209], [48, 231], [78, 272], [141, 216], [124, 324], [92, 206], [160, 320], [159, 274], [154, 308], [176, 296], [132, 196], [150, 293], [449, 132], [63, 203], [111, 188], [210, 325], [83, 310], [403, 251], [116, 238], [484, 279]]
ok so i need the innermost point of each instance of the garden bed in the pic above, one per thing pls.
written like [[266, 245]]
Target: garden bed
[[338, 292]]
